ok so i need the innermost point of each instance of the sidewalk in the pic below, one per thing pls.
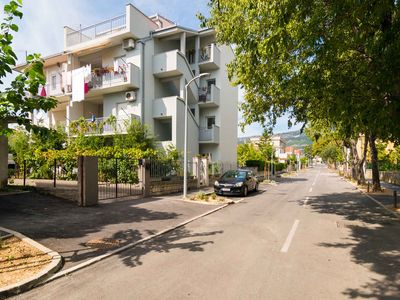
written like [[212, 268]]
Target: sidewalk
[[79, 234], [385, 198]]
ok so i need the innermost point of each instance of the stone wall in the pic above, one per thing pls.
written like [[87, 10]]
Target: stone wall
[[386, 176], [158, 188]]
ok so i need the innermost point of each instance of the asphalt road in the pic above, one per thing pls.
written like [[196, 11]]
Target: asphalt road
[[311, 237]]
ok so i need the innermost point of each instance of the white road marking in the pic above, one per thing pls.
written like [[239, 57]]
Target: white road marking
[[286, 245], [310, 190], [315, 179], [306, 201]]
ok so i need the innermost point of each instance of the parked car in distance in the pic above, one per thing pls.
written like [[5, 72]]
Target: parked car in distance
[[236, 182]]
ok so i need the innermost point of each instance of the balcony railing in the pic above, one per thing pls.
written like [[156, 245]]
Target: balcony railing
[[209, 58], [205, 54], [104, 125], [209, 96], [210, 135], [103, 78], [74, 37]]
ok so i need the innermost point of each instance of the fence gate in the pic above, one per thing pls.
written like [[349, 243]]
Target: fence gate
[[118, 177]]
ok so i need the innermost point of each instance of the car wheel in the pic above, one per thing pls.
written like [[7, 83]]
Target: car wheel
[[256, 187], [245, 191]]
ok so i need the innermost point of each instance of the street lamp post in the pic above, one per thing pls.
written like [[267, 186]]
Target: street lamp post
[[186, 134]]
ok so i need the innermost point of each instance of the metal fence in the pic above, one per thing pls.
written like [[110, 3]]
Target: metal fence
[[118, 177], [47, 172], [95, 31], [169, 170]]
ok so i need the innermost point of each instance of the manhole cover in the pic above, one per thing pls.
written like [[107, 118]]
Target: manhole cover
[[104, 243]]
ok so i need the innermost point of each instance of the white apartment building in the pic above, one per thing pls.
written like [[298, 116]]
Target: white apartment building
[[136, 66], [278, 145]]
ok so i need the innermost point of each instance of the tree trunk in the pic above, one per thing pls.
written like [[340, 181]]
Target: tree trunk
[[355, 159], [265, 169], [360, 165], [3, 161], [357, 165], [376, 184]]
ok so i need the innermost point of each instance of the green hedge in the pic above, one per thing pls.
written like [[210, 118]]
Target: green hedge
[[260, 165]]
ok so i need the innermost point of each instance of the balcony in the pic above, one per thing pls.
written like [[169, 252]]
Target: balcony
[[101, 126], [107, 81], [172, 64], [103, 29], [167, 64], [209, 135], [209, 58], [209, 97], [51, 90]]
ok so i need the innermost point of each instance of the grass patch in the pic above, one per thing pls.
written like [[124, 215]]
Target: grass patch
[[211, 198]]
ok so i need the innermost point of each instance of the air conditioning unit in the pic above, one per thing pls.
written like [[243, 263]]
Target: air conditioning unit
[[130, 96], [128, 44]]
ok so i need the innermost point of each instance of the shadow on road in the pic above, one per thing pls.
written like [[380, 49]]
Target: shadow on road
[[69, 229], [374, 241], [180, 238]]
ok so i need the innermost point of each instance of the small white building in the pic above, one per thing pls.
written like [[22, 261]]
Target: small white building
[[136, 66]]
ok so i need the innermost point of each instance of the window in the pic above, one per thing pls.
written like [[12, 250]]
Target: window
[[210, 122], [53, 81], [193, 111], [191, 54], [210, 82]]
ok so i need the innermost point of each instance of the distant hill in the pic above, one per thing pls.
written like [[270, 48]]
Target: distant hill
[[296, 139], [292, 138]]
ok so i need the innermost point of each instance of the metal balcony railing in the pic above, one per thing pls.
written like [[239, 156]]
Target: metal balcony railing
[[102, 125], [74, 37], [106, 78]]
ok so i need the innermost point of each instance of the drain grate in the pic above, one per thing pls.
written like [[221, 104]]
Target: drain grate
[[105, 243]]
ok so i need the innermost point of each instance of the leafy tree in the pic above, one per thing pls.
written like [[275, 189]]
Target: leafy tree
[[265, 149], [334, 60], [19, 145], [21, 98], [138, 136], [245, 152]]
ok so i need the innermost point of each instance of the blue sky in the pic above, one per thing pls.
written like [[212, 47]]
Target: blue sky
[[41, 29]]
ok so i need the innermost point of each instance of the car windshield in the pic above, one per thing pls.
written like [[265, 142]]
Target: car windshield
[[234, 174]]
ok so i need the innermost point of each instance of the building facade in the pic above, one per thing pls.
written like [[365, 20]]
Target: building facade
[[136, 67]]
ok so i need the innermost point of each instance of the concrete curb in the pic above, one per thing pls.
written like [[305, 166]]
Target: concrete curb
[[24, 285], [13, 193], [373, 199], [128, 246]]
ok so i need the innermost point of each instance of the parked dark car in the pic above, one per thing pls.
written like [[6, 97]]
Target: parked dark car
[[236, 182]]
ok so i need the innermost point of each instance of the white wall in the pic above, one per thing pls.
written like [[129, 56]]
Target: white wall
[[139, 24], [110, 102], [228, 109], [174, 107]]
